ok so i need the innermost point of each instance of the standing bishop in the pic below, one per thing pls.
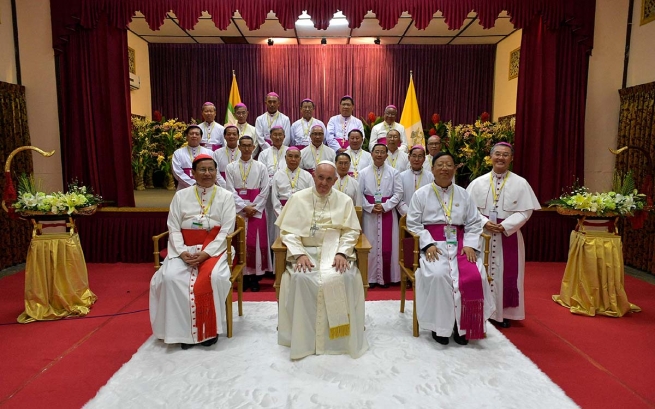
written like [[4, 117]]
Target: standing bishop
[[505, 201], [379, 132], [230, 152], [212, 133], [272, 117], [300, 129], [414, 177], [321, 306], [316, 152], [339, 125], [452, 292], [248, 181], [381, 190], [184, 156], [359, 158], [398, 159]]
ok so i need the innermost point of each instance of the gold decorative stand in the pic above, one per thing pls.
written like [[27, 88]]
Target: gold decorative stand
[[593, 278]]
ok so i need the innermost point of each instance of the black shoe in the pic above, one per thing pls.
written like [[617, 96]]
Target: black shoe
[[187, 346], [209, 342], [246, 282], [459, 339], [254, 285], [441, 340], [372, 285], [385, 285], [506, 323]]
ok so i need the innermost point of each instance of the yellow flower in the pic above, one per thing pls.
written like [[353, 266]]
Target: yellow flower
[[160, 159]]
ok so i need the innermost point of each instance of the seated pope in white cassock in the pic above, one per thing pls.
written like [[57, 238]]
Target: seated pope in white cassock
[[321, 306], [453, 295], [188, 292]]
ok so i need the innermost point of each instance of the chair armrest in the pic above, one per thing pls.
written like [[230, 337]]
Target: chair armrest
[[155, 253], [229, 238], [280, 252]]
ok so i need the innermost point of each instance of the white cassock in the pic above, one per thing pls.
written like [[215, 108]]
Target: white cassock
[[321, 311], [398, 160], [266, 121], [183, 163], [379, 134], [349, 186], [284, 184], [438, 292], [412, 181], [212, 135], [246, 129], [427, 165], [516, 201], [381, 229], [358, 160], [253, 191], [300, 132], [310, 157], [173, 312], [337, 131], [224, 157], [274, 159]]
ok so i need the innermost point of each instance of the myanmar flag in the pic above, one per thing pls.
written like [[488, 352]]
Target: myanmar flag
[[411, 117], [234, 99]]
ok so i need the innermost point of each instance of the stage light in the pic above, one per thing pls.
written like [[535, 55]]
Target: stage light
[[377, 41], [270, 41], [323, 41]]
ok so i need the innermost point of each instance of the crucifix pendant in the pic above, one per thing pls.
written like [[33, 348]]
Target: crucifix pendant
[[313, 229]]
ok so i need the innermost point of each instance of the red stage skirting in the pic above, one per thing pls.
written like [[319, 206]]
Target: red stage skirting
[[125, 235]]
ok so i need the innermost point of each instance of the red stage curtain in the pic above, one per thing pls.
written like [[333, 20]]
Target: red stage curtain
[[550, 109], [374, 75], [94, 104]]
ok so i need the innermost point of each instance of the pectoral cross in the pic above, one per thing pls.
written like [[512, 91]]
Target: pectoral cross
[[313, 229]]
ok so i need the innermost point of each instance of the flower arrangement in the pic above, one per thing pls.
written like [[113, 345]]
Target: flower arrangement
[[470, 144], [153, 145], [369, 122], [77, 200], [623, 200]]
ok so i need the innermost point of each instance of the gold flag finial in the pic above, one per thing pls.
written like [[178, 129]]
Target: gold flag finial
[[617, 151]]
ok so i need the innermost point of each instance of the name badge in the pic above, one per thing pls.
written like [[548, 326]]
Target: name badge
[[378, 197], [493, 216], [451, 234], [197, 222], [243, 192]]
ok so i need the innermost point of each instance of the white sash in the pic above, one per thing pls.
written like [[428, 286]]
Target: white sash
[[334, 288]]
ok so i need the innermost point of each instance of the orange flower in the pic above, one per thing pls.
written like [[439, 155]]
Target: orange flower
[[371, 117], [436, 119]]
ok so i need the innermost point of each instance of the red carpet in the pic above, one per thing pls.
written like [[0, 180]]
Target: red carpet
[[599, 362]]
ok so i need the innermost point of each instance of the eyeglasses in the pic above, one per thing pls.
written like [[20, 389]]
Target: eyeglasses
[[206, 170], [502, 155], [444, 166], [417, 156], [240, 113], [317, 133]]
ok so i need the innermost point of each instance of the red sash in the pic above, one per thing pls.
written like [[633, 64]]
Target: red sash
[[510, 269], [256, 227], [283, 202], [188, 172], [470, 285], [387, 231], [343, 143], [203, 295]]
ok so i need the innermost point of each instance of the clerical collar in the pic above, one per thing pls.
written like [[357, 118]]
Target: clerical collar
[[379, 167], [343, 177], [245, 161], [273, 114], [417, 172], [445, 189], [499, 176], [394, 152], [323, 197]]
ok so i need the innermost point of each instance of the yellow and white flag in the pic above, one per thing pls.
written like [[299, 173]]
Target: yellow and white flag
[[232, 101], [411, 117]]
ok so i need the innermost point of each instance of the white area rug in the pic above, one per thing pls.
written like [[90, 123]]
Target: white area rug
[[250, 370]]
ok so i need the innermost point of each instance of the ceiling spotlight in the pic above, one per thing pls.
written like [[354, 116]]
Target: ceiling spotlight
[[323, 41], [270, 41], [377, 41]]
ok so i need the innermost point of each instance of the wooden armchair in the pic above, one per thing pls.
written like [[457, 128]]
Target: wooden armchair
[[362, 248], [408, 257], [237, 239]]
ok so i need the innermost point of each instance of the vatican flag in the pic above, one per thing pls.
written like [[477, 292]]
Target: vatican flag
[[411, 117], [234, 99]]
